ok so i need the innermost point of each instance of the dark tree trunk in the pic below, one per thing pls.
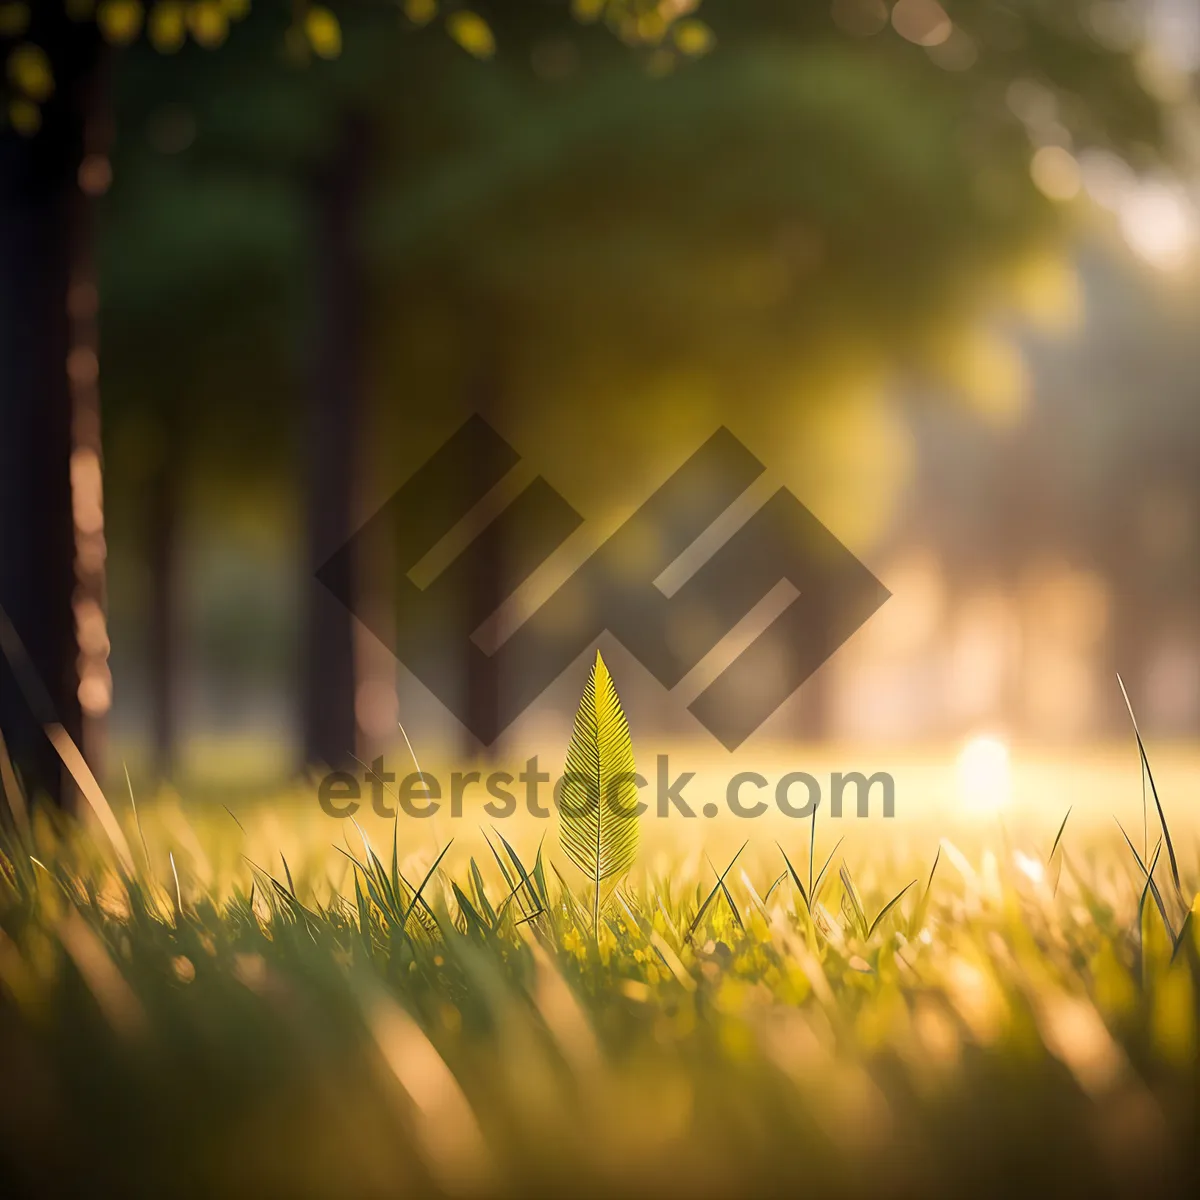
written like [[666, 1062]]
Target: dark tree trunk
[[41, 208], [335, 406]]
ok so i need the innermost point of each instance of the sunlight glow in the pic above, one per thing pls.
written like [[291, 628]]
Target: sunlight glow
[[1159, 224], [984, 775]]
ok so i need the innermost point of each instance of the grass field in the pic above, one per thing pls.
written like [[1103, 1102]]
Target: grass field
[[221, 1004]]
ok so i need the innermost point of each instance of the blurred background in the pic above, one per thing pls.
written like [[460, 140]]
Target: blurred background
[[934, 263]]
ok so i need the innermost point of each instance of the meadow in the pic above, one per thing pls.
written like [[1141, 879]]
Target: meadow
[[245, 1003]]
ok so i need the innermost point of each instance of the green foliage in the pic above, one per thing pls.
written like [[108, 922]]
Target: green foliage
[[308, 31], [763, 234]]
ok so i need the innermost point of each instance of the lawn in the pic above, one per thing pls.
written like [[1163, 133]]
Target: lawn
[[1023, 1015], [201, 1005]]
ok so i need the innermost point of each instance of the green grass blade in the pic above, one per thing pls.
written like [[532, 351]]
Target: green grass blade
[[1162, 816], [778, 880], [437, 862], [814, 891], [527, 881], [887, 908], [717, 887], [812, 847], [795, 879], [475, 923], [481, 897], [917, 921], [851, 893], [1058, 835]]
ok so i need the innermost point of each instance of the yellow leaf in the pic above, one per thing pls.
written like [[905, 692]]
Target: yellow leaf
[[694, 38], [168, 26], [209, 24], [29, 71], [420, 12], [324, 32], [989, 370], [472, 33], [120, 21], [586, 10], [650, 27]]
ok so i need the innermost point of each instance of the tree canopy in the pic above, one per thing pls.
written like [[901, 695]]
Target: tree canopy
[[817, 197], [311, 31]]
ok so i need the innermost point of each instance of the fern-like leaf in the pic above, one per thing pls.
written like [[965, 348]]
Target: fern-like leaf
[[598, 820]]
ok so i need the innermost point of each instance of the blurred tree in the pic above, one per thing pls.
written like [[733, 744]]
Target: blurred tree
[[693, 230], [740, 216], [332, 450], [43, 224], [274, 131], [748, 231]]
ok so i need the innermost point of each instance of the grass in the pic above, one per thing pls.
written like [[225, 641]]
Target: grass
[[195, 1014]]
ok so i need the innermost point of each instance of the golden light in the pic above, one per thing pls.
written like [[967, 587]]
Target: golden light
[[923, 22], [1159, 224], [984, 775], [1055, 172]]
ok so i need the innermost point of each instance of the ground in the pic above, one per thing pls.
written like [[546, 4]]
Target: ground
[[228, 1004]]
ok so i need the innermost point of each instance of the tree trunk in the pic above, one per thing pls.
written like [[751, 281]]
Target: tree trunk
[[41, 210], [335, 407]]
